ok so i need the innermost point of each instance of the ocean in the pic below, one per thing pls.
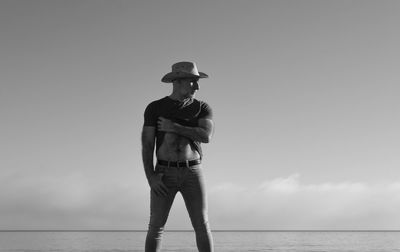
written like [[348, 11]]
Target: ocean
[[224, 241]]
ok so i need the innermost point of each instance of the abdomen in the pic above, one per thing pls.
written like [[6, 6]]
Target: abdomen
[[175, 147]]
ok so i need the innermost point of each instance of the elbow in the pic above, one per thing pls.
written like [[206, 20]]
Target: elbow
[[205, 136]]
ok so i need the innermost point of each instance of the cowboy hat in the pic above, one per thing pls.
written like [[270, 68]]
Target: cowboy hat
[[183, 70]]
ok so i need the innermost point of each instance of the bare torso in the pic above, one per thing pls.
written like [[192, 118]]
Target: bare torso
[[176, 148]]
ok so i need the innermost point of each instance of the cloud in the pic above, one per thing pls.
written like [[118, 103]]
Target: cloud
[[287, 203], [227, 187], [292, 184], [284, 185], [71, 200], [83, 200]]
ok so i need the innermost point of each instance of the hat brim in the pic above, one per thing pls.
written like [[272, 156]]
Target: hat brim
[[170, 77]]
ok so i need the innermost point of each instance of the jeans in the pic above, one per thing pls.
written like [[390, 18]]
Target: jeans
[[190, 183]]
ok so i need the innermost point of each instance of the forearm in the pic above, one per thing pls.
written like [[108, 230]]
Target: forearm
[[148, 161], [195, 133]]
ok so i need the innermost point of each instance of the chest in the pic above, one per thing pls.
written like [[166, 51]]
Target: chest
[[187, 116]]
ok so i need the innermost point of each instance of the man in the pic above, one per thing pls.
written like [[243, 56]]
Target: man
[[176, 125]]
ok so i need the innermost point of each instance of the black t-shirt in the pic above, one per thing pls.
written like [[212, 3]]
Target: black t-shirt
[[185, 113]]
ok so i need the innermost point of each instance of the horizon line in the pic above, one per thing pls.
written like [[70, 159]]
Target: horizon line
[[189, 230]]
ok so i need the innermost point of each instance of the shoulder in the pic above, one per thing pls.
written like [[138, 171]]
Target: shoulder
[[152, 112], [205, 109], [202, 104], [156, 104]]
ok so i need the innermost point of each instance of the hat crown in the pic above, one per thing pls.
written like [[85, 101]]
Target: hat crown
[[185, 67]]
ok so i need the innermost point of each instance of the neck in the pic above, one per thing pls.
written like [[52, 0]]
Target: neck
[[177, 97]]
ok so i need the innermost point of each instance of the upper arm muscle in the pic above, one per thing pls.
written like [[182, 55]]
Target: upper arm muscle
[[207, 125], [148, 136]]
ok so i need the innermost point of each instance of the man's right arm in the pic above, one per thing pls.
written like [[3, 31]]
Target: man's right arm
[[148, 142]]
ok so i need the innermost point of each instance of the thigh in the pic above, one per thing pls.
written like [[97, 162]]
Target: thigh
[[194, 193], [160, 206]]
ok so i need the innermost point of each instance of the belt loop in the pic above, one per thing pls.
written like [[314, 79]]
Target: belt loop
[[169, 161], [187, 163]]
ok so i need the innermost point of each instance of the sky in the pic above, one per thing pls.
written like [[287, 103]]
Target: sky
[[304, 95]]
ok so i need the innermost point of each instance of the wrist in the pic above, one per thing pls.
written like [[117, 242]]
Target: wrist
[[151, 177], [175, 128]]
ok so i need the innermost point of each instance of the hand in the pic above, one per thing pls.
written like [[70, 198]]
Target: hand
[[157, 185], [165, 125]]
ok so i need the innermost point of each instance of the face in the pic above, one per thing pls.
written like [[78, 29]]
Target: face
[[189, 87]]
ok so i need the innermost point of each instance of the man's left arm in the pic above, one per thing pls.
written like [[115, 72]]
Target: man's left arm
[[202, 133]]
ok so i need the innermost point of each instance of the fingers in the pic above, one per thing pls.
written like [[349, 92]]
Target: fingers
[[164, 124], [160, 123], [163, 190], [159, 188], [161, 120]]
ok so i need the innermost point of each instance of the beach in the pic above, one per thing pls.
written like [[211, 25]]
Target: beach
[[225, 241]]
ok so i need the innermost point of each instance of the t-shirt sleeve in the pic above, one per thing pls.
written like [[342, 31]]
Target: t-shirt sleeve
[[206, 111], [150, 115]]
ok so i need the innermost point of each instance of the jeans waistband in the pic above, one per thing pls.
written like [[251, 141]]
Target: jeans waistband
[[185, 163]]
